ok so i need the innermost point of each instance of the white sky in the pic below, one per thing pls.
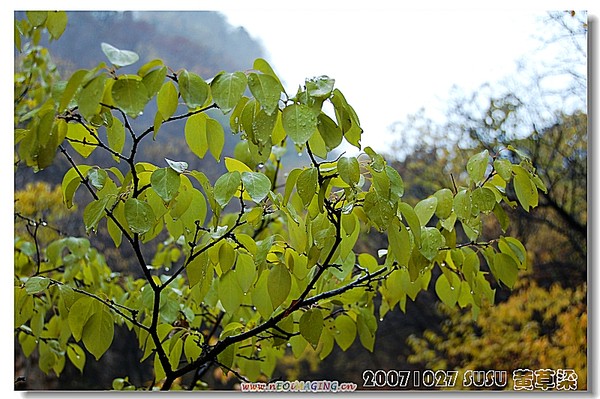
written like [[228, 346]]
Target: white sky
[[390, 62]]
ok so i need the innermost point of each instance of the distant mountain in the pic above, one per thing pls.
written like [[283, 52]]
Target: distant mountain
[[200, 41]]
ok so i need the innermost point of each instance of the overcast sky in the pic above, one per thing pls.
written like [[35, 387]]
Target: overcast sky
[[391, 62]]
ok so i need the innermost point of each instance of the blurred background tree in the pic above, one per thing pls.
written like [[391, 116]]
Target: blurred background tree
[[543, 112]]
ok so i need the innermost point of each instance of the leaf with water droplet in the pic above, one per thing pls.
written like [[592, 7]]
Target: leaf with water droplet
[[306, 185], [257, 185], [139, 215], [193, 89], [227, 89], [431, 242], [345, 332], [165, 182], [130, 95], [425, 209], [349, 170], [299, 123], [462, 204], [448, 291], [226, 186], [266, 89], [477, 166], [444, 203]]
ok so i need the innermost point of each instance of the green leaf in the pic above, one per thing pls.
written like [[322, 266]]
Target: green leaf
[[227, 89], [93, 213], [175, 350], [118, 57], [72, 181], [165, 182], [197, 269], [139, 215], [311, 326], [502, 217], [504, 168], [257, 185], [396, 183], [525, 188], [484, 200], [431, 242], [149, 66], [113, 230], [462, 204], [202, 134], [279, 284], [505, 269], [412, 219], [444, 203], [306, 185], [192, 348], [245, 271], [230, 292], [79, 314], [345, 331], [380, 210], [97, 177], [349, 170], [260, 295], [320, 86], [330, 132], [513, 247], [425, 209], [477, 166], [346, 118], [167, 100], [76, 355], [72, 86], [196, 134], [194, 90], [130, 95], [116, 136], [153, 81], [215, 136], [367, 326], [226, 186], [36, 284], [226, 255], [399, 243], [447, 291], [56, 23], [299, 123], [90, 96], [82, 139], [98, 332], [266, 89], [37, 18], [233, 164]]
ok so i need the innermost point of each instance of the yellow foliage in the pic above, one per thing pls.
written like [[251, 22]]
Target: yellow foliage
[[39, 203], [40, 200], [535, 328]]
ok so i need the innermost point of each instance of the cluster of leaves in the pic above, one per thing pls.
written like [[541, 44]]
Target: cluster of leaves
[[244, 267], [536, 328]]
